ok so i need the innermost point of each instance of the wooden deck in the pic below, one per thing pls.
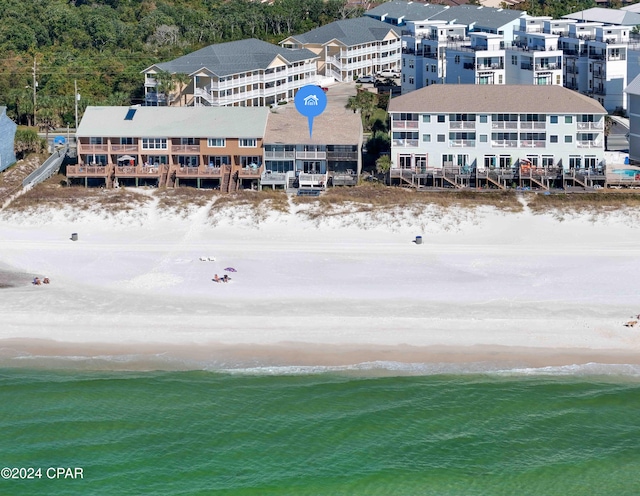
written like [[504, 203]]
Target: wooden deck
[[521, 177]]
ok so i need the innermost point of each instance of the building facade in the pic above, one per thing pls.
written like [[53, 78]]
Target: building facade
[[217, 148], [351, 48], [245, 73], [490, 127]]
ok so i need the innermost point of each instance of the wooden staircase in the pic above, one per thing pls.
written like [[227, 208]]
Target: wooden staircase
[[226, 178]]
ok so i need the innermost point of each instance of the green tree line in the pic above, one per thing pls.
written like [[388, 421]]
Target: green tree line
[[105, 44]]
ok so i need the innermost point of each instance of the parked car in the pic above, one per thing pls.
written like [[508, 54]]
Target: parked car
[[389, 73], [323, 88], [366, 79]]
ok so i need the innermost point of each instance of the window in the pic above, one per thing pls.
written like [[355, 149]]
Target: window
[[441, 138], [568, 139], [483, 119], [553, 138], [483, 138], [553, 119], [251, 162], [457, 59], [426, 138], [216, 143], [514, 60], [426, 118], [248, 143], [95, 141], [547, 161], [441, 118], [126, 141], [568, 119], [189, 141], [217, 161], [411, 64], [499, 78], [154, 143], [410, 80]]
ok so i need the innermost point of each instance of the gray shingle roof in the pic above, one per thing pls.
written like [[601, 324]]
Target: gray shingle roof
[[486, 17], [174, 122], [349, 31], [407, 11], [224, 59], [606, 16], [473, 98]]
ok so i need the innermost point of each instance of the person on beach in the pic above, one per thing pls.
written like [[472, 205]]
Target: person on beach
[[226, 278], [216, 278], [36, 281], [45, 280]]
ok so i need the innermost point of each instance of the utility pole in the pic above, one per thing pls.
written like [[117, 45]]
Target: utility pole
[[34, 86], [76, 97]]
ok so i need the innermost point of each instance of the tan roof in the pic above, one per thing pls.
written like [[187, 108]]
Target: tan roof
[[491, 98], [335, 126]]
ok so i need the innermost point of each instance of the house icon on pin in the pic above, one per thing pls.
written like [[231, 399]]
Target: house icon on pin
[[311, 100]]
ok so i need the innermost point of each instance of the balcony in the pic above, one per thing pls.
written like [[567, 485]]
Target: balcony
[[101, 149], [533, 125], [185, 148], [504, 143], [279, 154], [123, 148], [590, 125], [404, 124], [462, 143], [405, 142], [532, 144], [462, 125], [311, 155], [589, 144], [504, 125]]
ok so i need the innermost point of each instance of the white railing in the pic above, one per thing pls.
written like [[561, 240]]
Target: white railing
[[311, 155], [462, 125], [532, 144], [533, 125], [405, 124], [504, 143], [405, 142], [462, 143], [279, 154], [504, 125], [589, 144], [590, 125]]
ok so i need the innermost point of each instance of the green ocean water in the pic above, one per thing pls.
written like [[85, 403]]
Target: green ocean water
[[320, 433]]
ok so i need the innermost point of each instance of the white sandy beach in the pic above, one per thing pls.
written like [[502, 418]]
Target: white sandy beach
[[485, 286]]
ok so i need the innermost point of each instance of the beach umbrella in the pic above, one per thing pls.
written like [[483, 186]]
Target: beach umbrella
[[230, 269]]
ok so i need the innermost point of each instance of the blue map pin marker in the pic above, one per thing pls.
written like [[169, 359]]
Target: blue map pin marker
[[310, 101]]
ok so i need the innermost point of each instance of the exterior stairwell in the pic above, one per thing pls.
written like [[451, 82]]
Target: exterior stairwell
[[226, 178]]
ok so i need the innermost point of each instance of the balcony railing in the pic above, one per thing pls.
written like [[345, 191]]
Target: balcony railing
[[124, 148], [315, 155], [462, 143], [532, 144], [185, 148], [86, 148], [404, 124], [504, 143], [462, 125], [589, 144], [198, 171], [533, 125], [504, 125], [279, 154], [405, 142]]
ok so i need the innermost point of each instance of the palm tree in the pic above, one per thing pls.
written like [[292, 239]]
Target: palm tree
[[383, 165], [165, 85], [183, 81]]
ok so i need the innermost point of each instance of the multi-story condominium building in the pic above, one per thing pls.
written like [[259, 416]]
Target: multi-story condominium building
[[330, 156], [203, 147], [249, 73], [596, 60], [488, 127], [351, 48]]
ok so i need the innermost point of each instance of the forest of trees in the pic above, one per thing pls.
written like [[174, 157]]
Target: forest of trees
[[105, 44]]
